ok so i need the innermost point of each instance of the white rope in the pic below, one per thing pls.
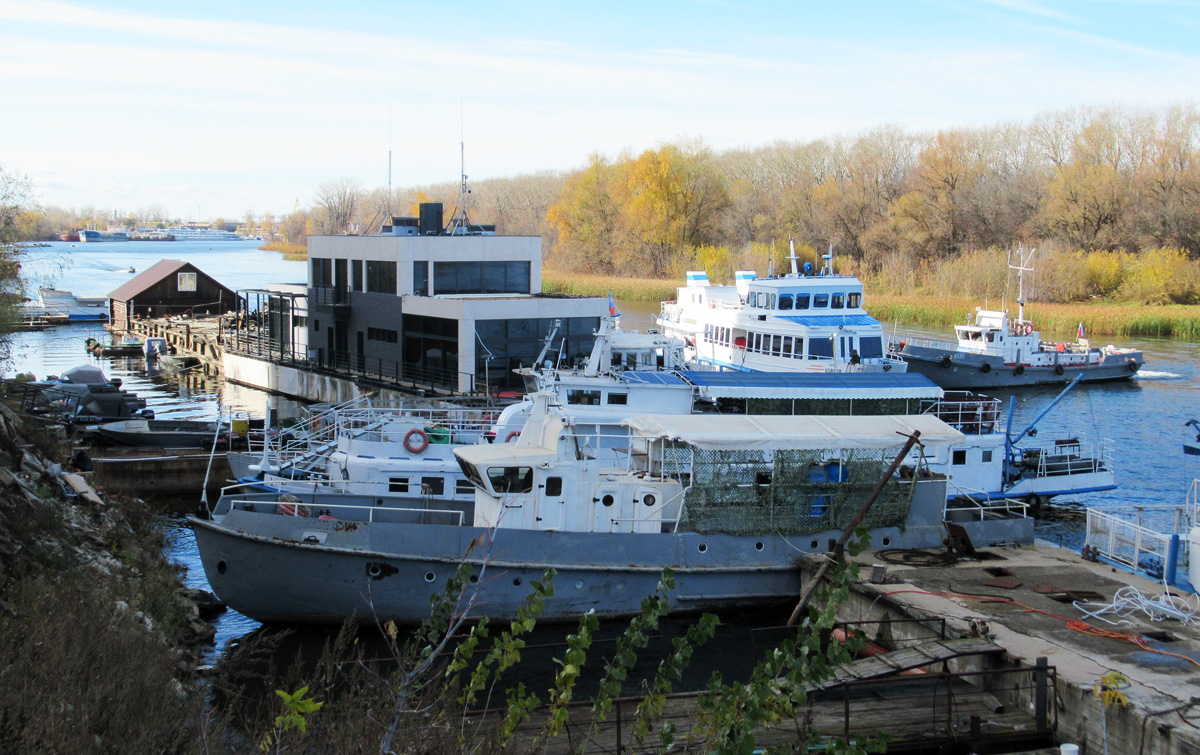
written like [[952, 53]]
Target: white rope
[[1130, 601]]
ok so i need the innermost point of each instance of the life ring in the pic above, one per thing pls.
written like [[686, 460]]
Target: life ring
[[1058, 369], [986, 368], [1019, 369], [946, 361], [422, 440], [292, 509], [513, 434], [1133, 366]]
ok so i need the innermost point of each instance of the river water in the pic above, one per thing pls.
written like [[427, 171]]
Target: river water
[[1142, 418]]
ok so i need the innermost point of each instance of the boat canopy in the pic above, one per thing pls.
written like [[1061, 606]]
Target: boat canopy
[[769, 432]]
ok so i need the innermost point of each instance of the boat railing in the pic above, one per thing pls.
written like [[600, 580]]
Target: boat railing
[[1130, 543], [975, 505], [1068, 456], [897, 344], [367, 513], [972, 416]]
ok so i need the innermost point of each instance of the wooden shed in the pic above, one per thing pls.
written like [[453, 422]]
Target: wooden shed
[[169, 287]]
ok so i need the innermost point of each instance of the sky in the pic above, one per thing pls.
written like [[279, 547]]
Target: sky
[[217, 108]]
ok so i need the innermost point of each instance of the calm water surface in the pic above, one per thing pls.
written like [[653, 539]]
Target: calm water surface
[[1142, 418]]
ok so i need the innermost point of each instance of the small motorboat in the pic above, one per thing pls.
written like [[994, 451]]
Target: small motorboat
[[130, 347], [161, 433]]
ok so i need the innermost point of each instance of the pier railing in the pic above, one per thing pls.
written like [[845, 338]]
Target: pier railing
[[1131, 543]]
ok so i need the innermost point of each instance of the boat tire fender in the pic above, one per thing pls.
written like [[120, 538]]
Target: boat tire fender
[[513, 434], [420, 443], [1019, 369], [946, 361], [1058, 369], [986, 368], [1133, 366]]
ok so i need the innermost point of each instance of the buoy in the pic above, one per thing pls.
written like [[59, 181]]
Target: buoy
[[421, 443], [513, 434]]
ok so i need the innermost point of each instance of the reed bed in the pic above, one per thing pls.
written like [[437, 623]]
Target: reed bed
[[623, 288]]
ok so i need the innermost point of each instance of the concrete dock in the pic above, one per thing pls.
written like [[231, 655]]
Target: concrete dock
[[1025, 600]]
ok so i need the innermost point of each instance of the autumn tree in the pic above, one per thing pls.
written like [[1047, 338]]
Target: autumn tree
[[337, 202], [16, 199], [585, 218]]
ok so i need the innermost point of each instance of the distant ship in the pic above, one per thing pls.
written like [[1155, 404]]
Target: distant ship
[[190, 233], [112, 234]]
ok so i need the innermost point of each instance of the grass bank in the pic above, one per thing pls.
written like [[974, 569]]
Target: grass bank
[[624, 288]]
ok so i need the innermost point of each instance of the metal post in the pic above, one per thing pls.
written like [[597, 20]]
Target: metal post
[[1041, 676], [618, 711]]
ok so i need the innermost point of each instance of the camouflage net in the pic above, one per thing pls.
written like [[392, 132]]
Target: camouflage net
[[800, 493]]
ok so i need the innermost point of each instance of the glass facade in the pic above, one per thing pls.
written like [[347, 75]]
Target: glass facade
[[431, 348], [517, 343], [511, 277]]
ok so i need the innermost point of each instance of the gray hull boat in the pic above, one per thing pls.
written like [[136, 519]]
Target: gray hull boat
[[729, 503]]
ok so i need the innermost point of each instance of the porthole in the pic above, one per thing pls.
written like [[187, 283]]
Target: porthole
[[648, 499], [221, 567], [887, 541], [813, 545], [374, 571], [607, 500], [579, 584], [702, 547], [474, 577], [430, 576], [758, 546], [517, 582]]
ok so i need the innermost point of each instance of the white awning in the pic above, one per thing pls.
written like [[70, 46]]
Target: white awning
[[769, 432]]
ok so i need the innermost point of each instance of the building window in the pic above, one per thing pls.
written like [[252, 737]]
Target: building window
[[381, 277], [186, 282], [299, 322], [480, 278], [507, 345], [356, 282], [322, 272], [380, 334], [421, 278]]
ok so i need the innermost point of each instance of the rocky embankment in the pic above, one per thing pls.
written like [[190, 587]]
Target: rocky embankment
[[99, 639]]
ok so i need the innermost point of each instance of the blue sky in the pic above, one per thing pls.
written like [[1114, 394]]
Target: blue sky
[[215, 108]]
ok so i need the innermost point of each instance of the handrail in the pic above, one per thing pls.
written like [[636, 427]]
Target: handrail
[[452, 513]]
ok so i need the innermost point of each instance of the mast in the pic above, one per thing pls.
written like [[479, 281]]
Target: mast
[[1023, 265]]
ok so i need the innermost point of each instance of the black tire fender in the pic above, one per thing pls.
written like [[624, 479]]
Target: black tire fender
[[946, 361], [1058, 369], [1019, 369], [1133, 366], [986, 368]]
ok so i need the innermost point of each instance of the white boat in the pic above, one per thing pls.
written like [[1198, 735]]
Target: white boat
[[727, 502], [194, 233], [810, 321], [56, 305], [993, 350], [990, 467]]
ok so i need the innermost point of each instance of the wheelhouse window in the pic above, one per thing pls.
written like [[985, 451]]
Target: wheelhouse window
[[820, 301], [511, 479], [854, 299], [584, 398], [801, 301], [186, 282], [838, 301], [785, 301]]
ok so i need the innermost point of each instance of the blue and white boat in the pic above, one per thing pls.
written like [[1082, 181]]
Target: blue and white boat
[[58, 306], [809, 321], [112, 234]]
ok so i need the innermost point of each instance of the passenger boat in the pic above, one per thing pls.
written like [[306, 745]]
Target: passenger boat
[[60, 306], [112, 234], [991, 465], [727, 502], [811, 321], [162, 433], [993, 350]]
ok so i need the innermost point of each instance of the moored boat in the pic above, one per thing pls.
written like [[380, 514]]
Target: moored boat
[[806, 320], [993, 350], [728, 503], [162, 433], [60, 306]]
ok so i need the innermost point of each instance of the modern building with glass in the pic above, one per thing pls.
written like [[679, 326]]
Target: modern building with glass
[[456, 309]]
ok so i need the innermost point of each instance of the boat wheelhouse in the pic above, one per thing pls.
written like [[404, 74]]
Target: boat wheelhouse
[[810, 321]]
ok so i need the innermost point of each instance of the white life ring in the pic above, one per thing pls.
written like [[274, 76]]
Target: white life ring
[[421, 444]]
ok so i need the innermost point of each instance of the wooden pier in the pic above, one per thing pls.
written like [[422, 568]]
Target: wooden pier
[[203, 338]]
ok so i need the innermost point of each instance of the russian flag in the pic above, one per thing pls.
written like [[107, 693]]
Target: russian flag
[[612, 306], [1081, 335]]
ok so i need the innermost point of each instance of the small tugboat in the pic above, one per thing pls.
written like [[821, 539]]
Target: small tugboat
[[995, 351]]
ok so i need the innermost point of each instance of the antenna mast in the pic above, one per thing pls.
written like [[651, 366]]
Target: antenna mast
[[1024, 263]]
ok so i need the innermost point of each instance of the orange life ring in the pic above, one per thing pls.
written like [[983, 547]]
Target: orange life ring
[[421, 445], [513, 434], [292, 509]]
